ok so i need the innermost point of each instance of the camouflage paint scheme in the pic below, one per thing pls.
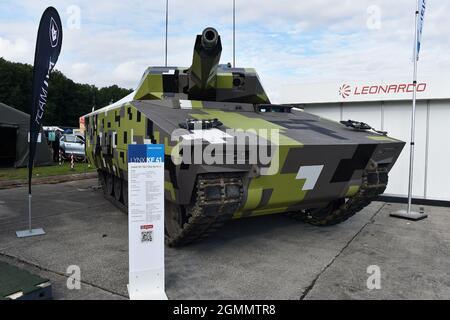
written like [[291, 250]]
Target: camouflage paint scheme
[[167, 96]]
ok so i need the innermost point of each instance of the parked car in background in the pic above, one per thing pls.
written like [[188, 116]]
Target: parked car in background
[[72, 144]]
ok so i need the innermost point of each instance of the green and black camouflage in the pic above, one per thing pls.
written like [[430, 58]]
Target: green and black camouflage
[[319, 171]]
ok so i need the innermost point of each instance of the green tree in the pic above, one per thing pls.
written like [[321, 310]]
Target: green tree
[[67, 100]]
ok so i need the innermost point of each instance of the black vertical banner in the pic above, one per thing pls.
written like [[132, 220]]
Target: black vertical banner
[[48, 47]]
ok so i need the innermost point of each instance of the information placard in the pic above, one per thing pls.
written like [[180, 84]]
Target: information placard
[[146, 222]]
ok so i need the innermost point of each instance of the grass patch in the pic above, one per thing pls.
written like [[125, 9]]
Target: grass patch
[[40, 172]]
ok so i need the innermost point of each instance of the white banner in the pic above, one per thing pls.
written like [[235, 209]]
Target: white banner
[[366, 90], [146, 222]]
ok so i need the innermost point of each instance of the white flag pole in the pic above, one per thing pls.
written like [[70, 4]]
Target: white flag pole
[[413, 119], [234, 33], [408, 214]]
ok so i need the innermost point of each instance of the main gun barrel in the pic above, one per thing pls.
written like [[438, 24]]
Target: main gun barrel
[[207, 51]]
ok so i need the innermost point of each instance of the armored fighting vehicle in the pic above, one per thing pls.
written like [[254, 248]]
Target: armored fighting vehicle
[[313, 169]]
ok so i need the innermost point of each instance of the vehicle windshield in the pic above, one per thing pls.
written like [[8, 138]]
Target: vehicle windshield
[[71, 139]]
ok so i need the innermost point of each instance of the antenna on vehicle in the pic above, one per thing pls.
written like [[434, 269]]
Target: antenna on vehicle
[[167, 28], [234, 33], [93, 105]]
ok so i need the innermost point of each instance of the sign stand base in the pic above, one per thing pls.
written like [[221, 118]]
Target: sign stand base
[[147, 285], [413, 216], [156, 295], [30, 233]]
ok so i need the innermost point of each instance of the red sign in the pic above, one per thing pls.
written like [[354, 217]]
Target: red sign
[[82, 124]]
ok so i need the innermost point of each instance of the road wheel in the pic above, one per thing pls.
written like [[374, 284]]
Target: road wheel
[[174, 220], [125, 192], [373, 184], [337, 211], [102, 180], [332, 214], [109, 184], [117, 188]]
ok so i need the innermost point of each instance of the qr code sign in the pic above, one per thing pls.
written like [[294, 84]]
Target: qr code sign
[[147, 236]]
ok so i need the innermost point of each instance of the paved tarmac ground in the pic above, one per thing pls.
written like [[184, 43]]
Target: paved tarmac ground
[[270, 257]]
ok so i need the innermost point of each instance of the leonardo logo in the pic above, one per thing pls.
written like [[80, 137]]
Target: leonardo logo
[[401, 88], [345, 91], [54, 33]]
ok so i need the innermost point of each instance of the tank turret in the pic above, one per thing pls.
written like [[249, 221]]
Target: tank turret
[[205, 79]]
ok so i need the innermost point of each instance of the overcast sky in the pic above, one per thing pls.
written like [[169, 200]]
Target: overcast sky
[[287, 41]]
